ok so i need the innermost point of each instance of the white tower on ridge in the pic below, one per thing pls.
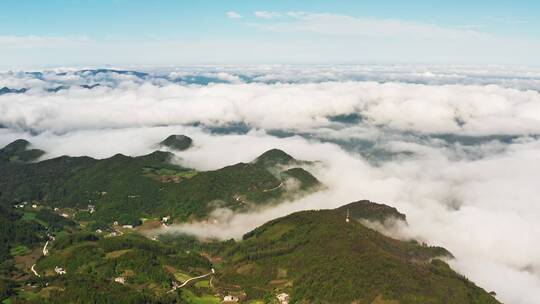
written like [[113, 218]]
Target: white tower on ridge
[[347, 219]]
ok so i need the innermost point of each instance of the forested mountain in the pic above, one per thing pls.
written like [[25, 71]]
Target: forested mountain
[[68, 235], [321, 257], [124, 189], [324, 256], [18, 151]]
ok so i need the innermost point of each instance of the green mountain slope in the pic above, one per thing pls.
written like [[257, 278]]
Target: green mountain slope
[[319, 257], [124, 189], [92, 264], [314, 256], [18, 151], [324, 256], [366, 210], [20, 230]]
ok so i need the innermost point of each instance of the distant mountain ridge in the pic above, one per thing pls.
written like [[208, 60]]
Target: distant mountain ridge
[[6, 90]]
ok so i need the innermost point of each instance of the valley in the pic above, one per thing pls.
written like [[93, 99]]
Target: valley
[[77, 229]]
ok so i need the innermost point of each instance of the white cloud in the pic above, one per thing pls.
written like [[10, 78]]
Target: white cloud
[[455, 109], [233, 15], [479, 201], [297, 14], [344, 25], [469, 206], [32, 41], [267, 14]]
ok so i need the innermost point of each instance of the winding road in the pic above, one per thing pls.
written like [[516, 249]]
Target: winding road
[[45, 252], [278, 186], [194, 278], [34, 271]]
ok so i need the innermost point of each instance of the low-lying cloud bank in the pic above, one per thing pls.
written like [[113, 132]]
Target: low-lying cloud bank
[[461, 160], [522, 78], [471, 110]]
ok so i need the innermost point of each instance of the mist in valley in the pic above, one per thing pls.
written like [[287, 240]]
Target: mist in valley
[[460, 155]]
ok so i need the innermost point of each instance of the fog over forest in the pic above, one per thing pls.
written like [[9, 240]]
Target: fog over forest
[[455, 148]]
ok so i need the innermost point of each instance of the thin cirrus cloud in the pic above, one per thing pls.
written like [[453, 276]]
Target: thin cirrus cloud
[[33, 41], [377, 39], [233, 15], [296, 37], [345, 25], [267, 14]]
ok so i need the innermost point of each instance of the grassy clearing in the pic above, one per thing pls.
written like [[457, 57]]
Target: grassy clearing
[[203, 284], [149, 224], [206, 299], [28, 216], [117, 253], [182, 277], [19, 250], [277, 231], [29, 296], [379, 300], [32, 216], [46, 292], [187, 174]]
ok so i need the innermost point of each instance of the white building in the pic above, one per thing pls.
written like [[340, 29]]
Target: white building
[[165, 219], [230, 298], [59, 270], [283, 298], [120, 280], [128, 226]]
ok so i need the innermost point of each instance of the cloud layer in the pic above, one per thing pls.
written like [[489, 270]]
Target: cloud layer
[[455, 148], [54, 101]]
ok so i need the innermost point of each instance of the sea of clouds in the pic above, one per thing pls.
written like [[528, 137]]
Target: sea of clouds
[[455, 148]]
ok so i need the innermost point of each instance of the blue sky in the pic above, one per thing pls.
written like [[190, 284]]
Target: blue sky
[[100, 32]]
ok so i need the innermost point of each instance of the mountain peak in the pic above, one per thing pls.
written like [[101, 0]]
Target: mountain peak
[[274, 157], [371, 211], [16, 146], [18, 151], [318, 257], [177, 142]]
